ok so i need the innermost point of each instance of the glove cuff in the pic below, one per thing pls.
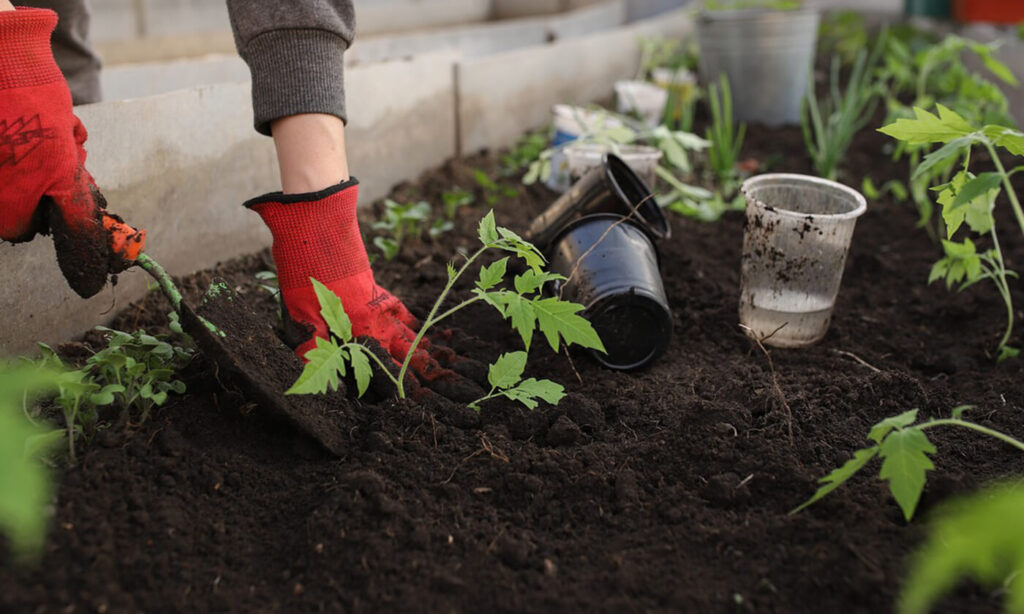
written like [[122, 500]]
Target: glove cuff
[[26, 59], [315, 235]]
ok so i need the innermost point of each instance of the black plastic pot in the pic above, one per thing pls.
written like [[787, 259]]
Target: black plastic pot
[[611, 266], [612, 187]]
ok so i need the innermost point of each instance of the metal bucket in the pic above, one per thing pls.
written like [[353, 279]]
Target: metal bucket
[[766, 55]]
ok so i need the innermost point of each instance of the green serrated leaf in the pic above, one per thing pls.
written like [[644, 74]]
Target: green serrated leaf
[[880, 430], [492, 274], [928, 128], [532, 281], [322, 371], [905, 461], [544, 389], [939, 270], [487, 231], [522, 316], [507, 370], [977, 187], [559, 318], [333, 312], [944, 155], [838, 476], [360, 367]]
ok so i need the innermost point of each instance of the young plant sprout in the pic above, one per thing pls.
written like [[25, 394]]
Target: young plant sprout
[[522, 304], [830, 124], [968, 198], [904, 449]]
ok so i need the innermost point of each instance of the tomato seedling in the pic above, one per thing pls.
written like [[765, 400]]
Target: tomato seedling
[[523, 305], [904, 449]]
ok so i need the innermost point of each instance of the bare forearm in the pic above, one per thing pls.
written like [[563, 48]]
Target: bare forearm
[[310, 152], [6, 6]]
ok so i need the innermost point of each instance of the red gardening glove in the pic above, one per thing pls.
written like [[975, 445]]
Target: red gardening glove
[[317, 236], [44, 186]]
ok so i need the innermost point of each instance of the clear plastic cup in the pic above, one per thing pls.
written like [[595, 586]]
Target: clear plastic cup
[[641, 158], [643, 99], [794, 248]]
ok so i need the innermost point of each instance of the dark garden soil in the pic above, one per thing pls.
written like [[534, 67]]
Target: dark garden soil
[[665, 490]]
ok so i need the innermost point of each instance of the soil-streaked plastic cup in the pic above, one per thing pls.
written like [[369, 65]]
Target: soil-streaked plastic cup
[[794, 248], [611, 266], [609, 187], [642, 159], [644, 99]]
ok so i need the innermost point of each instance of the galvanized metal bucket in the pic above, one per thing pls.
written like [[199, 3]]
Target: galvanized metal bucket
[[766, 56]]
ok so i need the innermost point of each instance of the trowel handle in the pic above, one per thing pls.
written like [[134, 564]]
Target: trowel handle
[[158, 273]]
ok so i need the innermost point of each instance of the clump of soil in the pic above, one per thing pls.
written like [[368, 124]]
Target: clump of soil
[[664, 490]]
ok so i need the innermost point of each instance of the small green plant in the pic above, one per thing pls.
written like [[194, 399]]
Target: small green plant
[[904, 449], [928, 73], [523, 305], [493, 191], [830, 124], [25, 483], [979, 536], [138, 369], [506, 379], [524, 152], [79, 396], [726, 138], [400, 223], [968, 198], [455, 199]]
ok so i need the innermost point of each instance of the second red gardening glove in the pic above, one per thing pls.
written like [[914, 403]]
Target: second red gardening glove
[[44, 187], [316, 235]]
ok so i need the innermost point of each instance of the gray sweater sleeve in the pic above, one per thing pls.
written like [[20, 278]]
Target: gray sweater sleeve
[[294, 51]]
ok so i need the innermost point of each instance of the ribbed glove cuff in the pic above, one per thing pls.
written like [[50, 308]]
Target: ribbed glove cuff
[[26, 59]]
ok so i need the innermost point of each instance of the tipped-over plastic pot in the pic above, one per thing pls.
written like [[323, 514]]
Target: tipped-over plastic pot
[[611, 268], [611, 187], [794, 247]]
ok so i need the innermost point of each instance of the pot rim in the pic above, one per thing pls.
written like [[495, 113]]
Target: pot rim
[[810, 180], [635, 223], [756, 14]]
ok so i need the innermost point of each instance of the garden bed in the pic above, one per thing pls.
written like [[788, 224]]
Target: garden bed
[[664, 490]]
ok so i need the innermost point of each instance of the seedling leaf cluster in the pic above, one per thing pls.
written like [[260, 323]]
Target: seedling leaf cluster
[[522, 304]]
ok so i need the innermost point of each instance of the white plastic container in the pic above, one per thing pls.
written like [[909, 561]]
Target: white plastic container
[[641, 158], [643, 99], [671, 77], [794, 248], [572, 122]]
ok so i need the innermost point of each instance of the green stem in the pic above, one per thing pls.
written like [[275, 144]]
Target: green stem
[[1017, 211], [1002, 285], [431, 320], [456, 308], [167, 286], [976, 427], [384, 369]]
